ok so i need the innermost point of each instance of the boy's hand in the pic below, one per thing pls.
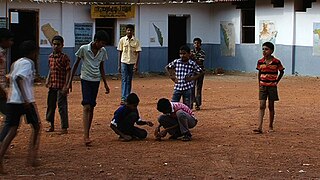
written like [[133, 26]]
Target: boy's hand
[[156, 131], [162, 133], [135, 68], [107, 89], [149, 123], [189, 78], [47, 83], [173, 78]]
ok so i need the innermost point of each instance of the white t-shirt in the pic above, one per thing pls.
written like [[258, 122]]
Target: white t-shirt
[[23, 68]]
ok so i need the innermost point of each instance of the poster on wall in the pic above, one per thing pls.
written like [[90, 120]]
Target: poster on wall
[[316, 39], [227, 38], [156, 34], [82, 34], [48, 32], [3, 22], [268, 32]]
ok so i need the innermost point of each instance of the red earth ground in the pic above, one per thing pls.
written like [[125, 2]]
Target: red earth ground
[[223, 145]]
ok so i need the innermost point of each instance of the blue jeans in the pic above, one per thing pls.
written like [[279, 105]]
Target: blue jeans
[[126, 83], [186, 96]]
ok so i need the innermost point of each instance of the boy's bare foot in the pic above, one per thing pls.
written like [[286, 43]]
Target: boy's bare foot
[[270, 131], [257, 131], [63, 131], [87, 142], [50, 129], [2, 172]]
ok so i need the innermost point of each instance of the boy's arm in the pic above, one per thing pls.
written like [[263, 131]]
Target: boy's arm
[[48, 79], [280, 76], [192, 78], [259, 74], [74, 69], [171, 73], [119, 61], [141, 122], [3, 94], [103, 75], [136, 65]]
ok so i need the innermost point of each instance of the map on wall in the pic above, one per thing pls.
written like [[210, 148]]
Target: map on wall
[[316, 39], [49, 32], [268, 31], [156, 33], [227, 38]]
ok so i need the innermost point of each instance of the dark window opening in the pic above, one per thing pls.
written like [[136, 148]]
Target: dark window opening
[[107, 25], [248, 25]]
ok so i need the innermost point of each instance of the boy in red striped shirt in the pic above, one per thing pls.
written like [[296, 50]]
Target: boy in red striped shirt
[[269, 77]]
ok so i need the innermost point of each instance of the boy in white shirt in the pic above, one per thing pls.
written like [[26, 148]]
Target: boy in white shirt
[[22, 102]]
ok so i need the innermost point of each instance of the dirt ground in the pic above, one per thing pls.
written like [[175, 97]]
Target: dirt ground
[[223, 145]]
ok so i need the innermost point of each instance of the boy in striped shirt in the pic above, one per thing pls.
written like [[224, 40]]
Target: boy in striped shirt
[[269, 77]]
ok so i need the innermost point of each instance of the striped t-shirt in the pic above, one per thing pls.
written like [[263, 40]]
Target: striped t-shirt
[[269, 71]]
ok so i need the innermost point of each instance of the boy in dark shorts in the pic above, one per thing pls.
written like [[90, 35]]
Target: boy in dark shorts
[[92, 56], [22, 102], [177, 120], [269, 77], [126, 116]]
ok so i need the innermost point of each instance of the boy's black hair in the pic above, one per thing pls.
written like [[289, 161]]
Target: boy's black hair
[[27, 47], [164, 105], [133, 99], [197, 39], [269, 45], [5, 34], [58, 38], [130, 26], [101, 36], [185, 48]]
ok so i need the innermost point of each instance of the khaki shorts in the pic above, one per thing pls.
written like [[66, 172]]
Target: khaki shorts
[[268, 92]]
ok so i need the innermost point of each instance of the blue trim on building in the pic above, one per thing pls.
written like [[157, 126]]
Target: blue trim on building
[[154, 59]]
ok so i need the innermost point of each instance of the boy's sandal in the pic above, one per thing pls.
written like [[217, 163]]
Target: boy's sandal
[[257, 131]]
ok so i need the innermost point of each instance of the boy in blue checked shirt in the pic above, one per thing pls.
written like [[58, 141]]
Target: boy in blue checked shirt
[[126, 116], [183, 72]]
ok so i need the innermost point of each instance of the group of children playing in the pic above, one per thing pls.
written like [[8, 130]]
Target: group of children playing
[[177, 118]]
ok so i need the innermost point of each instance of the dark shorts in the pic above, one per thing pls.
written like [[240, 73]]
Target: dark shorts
[[89, 92], [15, 111], [268, 92], [3, 106]]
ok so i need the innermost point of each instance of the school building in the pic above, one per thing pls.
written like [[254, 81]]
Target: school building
[[232, 30]]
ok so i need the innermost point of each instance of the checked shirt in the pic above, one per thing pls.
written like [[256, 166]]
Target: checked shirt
[[183, 70]]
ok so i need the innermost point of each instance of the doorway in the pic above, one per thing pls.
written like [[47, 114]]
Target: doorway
[[177, 35], [24, 25]]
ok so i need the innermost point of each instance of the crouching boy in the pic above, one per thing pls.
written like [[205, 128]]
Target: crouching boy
[[125, 117], [177, 119]]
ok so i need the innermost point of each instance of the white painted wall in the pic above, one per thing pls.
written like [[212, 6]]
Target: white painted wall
[[304, 24], [60, 16], [200, 18]]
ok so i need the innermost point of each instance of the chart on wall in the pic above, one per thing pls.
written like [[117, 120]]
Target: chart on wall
[[316, 39], [227, 38], [268, 32], [156, 33], [82, 34]]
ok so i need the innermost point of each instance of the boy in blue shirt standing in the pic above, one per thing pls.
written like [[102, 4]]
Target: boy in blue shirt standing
[[126, 116], [92, 56], [183, 72]]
